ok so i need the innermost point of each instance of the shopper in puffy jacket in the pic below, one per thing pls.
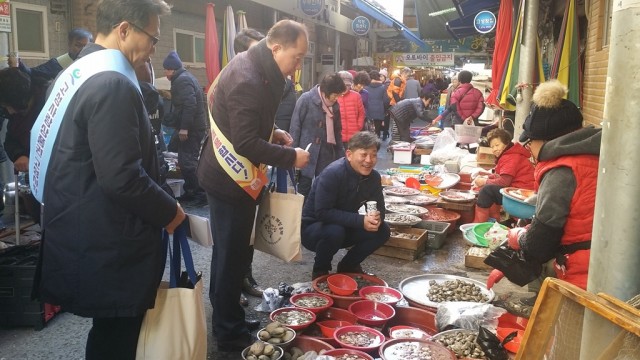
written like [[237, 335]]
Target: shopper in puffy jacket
[[351, 108], [404, 112], [566, 174], [512, 169], [378, 101], [466, 101], [316, 125]]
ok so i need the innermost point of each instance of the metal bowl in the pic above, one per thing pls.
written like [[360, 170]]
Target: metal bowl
[[416, 288]]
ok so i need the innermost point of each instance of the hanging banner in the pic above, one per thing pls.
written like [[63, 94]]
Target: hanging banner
[[5, 17], [423, 59]]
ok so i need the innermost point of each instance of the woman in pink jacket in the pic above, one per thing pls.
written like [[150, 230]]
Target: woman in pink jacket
[[352, 111]]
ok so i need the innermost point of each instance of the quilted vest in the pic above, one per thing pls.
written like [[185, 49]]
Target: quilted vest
[[579, 224]]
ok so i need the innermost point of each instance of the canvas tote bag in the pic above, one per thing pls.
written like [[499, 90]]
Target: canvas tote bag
[[176, 329], [277, 227]]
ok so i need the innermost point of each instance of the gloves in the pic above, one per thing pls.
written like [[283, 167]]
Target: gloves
[[513, 236], [494, 277]]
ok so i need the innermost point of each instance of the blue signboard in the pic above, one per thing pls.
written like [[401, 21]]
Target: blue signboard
[[361, 25], [484, 22], [311, 7]]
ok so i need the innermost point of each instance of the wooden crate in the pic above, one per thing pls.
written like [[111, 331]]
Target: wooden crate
[[405, 248], [474, 258]]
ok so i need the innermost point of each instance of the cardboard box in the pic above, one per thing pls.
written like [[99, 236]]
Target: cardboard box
[[422, 151], [474, 258], [402, 248], [484, 156], [403, 155]]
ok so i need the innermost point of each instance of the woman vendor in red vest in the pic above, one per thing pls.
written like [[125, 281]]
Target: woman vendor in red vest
[[566, 170]]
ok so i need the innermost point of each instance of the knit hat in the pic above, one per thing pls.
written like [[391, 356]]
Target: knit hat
[[551, 115], [172, 61], [15, 88], [346, 77], [353, 73]]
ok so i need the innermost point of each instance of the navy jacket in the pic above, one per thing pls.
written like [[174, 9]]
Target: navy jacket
[[337, 194]]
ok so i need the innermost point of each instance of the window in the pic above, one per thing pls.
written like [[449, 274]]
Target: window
[[190, 47], [30, 31], [606, 22]]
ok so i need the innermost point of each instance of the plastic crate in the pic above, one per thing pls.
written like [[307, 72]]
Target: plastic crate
[[468, 134], [17, 270], [436, 232]]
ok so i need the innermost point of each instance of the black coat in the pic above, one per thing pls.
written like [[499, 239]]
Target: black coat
[[187, 99], [285, 110], [104, 213], [246, 99]]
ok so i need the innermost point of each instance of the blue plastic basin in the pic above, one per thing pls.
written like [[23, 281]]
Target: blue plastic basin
[[516, 207]]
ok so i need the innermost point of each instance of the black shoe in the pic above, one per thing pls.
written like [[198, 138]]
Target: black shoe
[[252, 324], [251, 287], [244, 301], [236, 345], [353, 269], [317, 274]]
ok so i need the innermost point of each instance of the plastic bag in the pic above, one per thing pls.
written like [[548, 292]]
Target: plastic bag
[[495, 236], [513, 265], [491, 345], [467, 315], [444, 146], [271, 300]]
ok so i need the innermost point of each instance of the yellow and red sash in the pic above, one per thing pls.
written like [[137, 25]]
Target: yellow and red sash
[[241, 170]]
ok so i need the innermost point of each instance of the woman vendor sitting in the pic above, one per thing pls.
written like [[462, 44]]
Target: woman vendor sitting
[[513, 168]]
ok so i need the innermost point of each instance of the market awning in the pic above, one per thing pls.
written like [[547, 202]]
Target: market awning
[[385, 18], [443, 19], [468, 9]]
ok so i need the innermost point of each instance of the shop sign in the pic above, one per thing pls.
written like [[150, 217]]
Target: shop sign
[[5, 17], [311, 7], [423, 59], [361, 25], [484, 22]]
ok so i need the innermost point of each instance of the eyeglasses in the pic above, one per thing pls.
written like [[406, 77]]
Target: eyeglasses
[[154, 39], [527, 144]]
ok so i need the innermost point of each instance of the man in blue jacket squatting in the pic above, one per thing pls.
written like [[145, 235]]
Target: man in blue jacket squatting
[[330, 218]]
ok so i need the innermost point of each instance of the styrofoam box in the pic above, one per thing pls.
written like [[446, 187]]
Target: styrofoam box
[[425, 159], [402, 156]]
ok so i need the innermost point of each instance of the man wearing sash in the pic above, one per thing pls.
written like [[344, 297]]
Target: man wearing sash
[[231, 168], [103, 254]]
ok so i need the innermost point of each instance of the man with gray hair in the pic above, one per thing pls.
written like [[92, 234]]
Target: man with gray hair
[[102, 250], [231, 168]]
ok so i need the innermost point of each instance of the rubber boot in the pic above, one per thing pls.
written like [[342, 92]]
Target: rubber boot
[[494, 212], [481, 215]]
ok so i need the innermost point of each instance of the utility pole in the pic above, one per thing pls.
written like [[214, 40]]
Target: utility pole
[[527, 63], [615, 247]]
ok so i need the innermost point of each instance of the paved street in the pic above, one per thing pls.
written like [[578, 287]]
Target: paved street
[[65, 335]]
